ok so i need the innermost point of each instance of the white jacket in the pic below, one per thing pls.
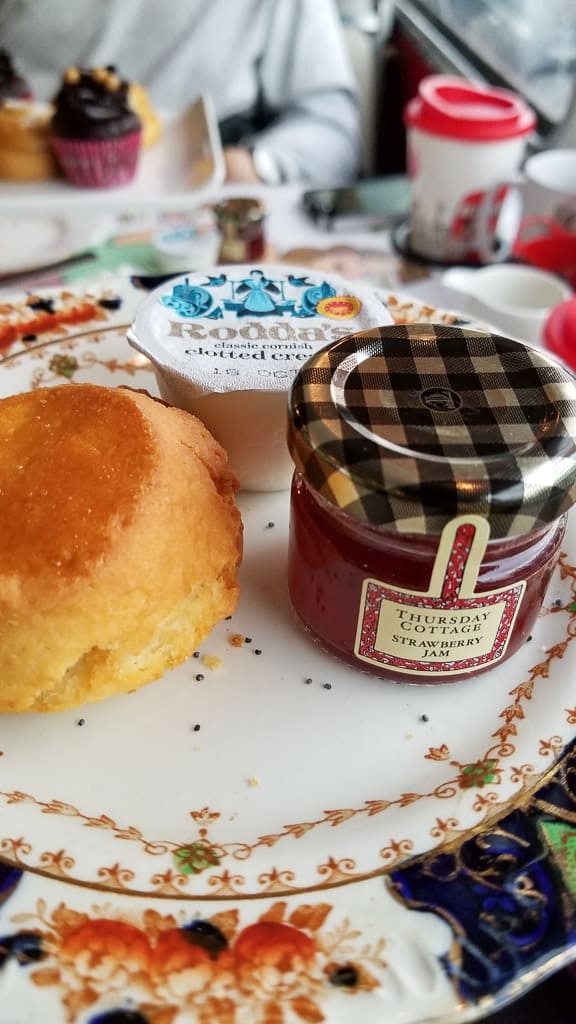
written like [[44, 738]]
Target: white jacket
[[291, 53]]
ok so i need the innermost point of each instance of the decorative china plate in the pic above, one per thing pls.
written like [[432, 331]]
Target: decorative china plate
[[266, 836]]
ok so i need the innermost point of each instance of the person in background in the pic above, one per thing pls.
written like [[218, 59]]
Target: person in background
[[277, 71]]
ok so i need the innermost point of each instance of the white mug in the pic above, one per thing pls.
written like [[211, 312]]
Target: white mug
[[511, 299], [540, 202], [549, 187]]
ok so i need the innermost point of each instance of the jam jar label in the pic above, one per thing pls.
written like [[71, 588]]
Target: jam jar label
[[449, 629]]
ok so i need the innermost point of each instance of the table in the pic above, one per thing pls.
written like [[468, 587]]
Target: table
[[363, 251]]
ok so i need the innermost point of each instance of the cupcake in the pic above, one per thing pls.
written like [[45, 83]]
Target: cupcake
[[12, 85], [95, 134]]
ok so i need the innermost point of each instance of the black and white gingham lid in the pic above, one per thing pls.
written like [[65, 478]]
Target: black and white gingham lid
[[410, 426]]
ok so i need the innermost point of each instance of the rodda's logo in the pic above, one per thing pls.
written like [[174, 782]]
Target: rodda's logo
[[339, 307]]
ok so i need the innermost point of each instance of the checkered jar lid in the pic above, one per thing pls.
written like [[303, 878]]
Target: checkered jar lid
[[410, 426]]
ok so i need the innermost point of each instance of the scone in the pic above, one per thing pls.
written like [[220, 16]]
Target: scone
[[25, 150], [119, 545]]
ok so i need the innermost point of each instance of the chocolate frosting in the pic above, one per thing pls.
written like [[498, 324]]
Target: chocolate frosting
[[12, 85], [93, 104]]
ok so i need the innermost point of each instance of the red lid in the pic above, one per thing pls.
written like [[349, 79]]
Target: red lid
[[446, 105], [560, 332]]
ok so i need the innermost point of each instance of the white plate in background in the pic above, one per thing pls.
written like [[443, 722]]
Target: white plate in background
[[34, 239]]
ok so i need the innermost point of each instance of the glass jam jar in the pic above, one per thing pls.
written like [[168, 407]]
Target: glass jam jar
[[434, 468], [241, 222]]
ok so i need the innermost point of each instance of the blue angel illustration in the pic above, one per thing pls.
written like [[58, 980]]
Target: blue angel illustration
[[259, 296]]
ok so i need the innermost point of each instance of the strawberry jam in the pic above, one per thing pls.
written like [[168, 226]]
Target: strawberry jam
[[331, 553]]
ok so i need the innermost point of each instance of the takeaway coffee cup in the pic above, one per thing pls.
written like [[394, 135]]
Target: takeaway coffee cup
[[512, 299], [465, 144]]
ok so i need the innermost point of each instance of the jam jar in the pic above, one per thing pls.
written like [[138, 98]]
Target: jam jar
[[434, 469], [241, 223]]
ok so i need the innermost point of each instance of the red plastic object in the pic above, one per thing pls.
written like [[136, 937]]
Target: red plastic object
[[544, 243], [560, 332], [450, 106]]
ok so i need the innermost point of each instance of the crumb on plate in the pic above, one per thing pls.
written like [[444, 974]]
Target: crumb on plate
[[211, 661]]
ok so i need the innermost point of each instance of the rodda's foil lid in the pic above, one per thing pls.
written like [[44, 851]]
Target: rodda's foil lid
[[249, 327]]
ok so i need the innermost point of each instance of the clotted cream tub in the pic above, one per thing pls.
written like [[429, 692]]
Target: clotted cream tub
[[226, 344]]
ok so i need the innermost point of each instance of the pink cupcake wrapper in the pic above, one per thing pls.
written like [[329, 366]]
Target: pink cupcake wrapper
[[98, 163]]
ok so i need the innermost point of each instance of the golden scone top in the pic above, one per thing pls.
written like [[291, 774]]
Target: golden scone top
[[64, 447]]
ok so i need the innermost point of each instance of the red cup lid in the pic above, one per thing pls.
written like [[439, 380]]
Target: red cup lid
[[453, 107]]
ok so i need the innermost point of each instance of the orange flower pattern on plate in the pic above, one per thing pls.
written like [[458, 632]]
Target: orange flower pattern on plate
[[212, 966]]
